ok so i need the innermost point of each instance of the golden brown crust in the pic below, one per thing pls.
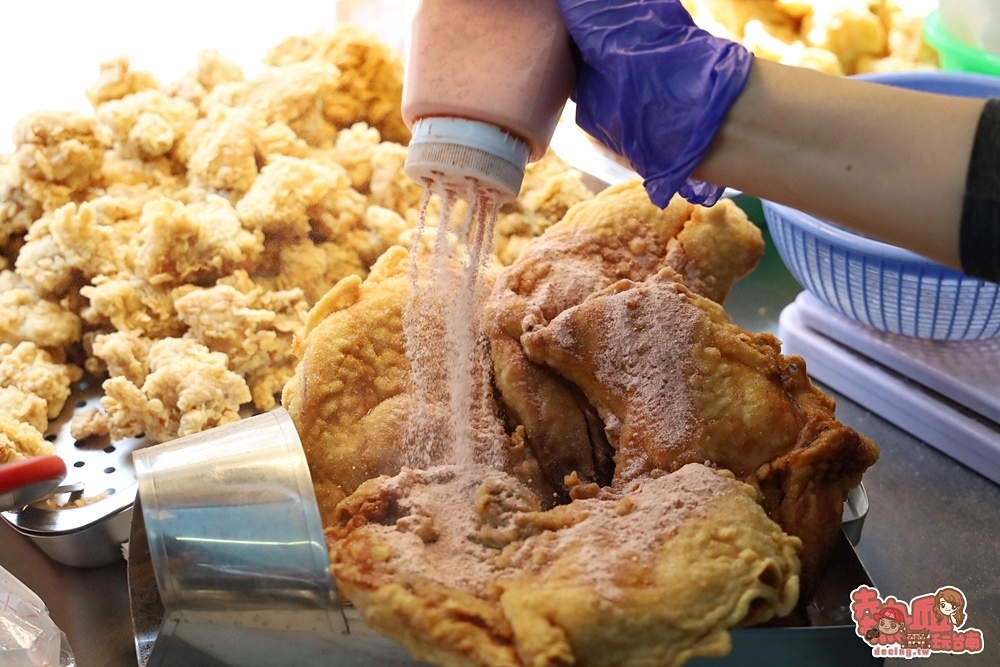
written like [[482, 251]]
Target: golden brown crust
[[652, 576], [619, 234]]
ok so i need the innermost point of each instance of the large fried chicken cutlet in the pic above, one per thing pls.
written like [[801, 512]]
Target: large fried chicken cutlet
[[669, 475], [675, 382], [612, 351], [353, 397], [347, 396], [462, 567], [617, 235]]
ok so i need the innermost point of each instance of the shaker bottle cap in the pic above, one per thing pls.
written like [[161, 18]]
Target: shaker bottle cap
[[467, 157]]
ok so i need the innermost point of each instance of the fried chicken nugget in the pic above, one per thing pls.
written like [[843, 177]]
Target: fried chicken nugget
[[20, 440], [117, 79], [58, 157], [187, 389], [147, 124], [25, 407], [224, 152], [34, 371], [195, 243], [17, 208], [26, 317], [294, 197], [461, 567], [292, 94], [252, 326]]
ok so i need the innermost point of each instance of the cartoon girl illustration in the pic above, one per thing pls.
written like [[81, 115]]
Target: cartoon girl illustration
[[949, 604]]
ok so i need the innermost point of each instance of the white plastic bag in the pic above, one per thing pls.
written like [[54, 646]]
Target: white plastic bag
[[28, 637], [973, 22]]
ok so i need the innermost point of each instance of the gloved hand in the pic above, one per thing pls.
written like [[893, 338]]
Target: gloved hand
[[653, 88]]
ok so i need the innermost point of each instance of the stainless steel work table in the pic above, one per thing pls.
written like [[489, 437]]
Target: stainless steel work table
[[932, 523]]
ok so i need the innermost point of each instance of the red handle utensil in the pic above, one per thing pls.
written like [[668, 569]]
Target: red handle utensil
[[28, 481]]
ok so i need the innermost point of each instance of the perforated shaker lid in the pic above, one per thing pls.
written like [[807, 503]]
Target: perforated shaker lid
[[460, 155]]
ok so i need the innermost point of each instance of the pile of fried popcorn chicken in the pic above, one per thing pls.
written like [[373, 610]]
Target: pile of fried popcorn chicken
[[171, 243], [833, 36]]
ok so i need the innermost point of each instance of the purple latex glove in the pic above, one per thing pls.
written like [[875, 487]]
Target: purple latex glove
[[654, 88]]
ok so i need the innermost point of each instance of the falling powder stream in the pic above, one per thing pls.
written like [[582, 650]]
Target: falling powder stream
[[455, 419]]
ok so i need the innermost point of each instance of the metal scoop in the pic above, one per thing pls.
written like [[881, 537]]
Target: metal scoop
[[25, 482]]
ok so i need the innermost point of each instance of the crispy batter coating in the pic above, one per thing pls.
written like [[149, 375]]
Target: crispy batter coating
[[371, 86], [75, 243], [617, 234], [88, 423], [26, 317], [129, 303], [58, 158], [17, 208], [461, 568], [294, 197], [187, 389], [389, 186], [225, 144], [26, 407], [348, 395], [676, 382], [292, 94], [354, 149], [147, 124], [20, 440], [117, 79], [62, 148], [193, 244], [212, 68], [34, 371]]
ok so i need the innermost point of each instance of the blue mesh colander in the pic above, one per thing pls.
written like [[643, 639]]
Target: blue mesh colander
[[880, 285]]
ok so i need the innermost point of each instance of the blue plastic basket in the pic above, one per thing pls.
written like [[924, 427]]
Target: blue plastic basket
[[881, 285]]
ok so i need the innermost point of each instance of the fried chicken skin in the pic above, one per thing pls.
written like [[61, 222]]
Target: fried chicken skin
[[347, 397], [461, 567], [675, 382], [619, 234]]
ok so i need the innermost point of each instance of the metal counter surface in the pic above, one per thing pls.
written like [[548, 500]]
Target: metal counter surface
[[932, 523]]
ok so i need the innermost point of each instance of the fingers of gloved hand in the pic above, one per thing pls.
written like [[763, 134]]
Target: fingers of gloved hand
[[654, 88]]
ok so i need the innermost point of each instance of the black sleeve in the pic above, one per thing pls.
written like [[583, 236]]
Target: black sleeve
[[979, 234]]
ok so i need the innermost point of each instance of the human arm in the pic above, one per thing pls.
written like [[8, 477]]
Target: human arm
[[887, 162]]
